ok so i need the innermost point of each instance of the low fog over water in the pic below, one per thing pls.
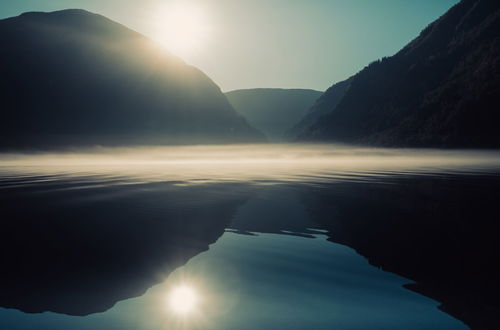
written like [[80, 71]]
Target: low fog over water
[[251, 163]]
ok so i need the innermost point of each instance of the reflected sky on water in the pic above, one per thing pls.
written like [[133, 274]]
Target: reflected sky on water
[[285, 282], [137, 224]]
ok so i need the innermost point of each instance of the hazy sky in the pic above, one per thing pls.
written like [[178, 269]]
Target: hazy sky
[[266, 43]]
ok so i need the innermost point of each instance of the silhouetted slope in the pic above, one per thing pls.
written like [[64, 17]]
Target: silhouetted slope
[[322, 106], [440, 90], [76, 78], [273, 110]]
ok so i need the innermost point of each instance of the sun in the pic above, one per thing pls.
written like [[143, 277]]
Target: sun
[[181, 27], [183, 299]]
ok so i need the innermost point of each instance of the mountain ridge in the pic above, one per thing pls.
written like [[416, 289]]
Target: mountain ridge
[[272, 110], [329, 99], [74, 78], [437, 91]]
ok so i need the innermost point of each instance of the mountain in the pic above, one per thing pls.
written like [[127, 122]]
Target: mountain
[[440, 90], [273, 110], [71, 78], [321, 106]]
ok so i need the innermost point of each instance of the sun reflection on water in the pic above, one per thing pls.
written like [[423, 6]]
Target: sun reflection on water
[[183, 299]]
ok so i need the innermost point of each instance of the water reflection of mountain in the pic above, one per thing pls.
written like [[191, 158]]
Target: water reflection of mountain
[[441, 232], [77, 245], [78, 248]]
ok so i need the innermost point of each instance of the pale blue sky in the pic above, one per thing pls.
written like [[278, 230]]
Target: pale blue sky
[[275, 43]]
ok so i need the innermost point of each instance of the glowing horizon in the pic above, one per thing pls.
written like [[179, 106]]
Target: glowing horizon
[[258, 164]]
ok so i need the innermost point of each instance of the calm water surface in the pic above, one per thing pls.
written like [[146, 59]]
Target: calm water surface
[[268, 237]]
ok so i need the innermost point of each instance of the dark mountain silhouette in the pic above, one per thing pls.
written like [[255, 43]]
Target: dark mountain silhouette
[[321, 106], [440, 90], [273, 110], [76, 78]]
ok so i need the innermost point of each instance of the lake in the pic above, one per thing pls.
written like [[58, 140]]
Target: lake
[[250, 237]]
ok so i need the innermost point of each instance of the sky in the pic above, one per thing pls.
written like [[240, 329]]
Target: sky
[[266, 43]]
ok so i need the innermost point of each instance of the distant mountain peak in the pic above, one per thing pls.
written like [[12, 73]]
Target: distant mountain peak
[[273, 110], [71, 11]]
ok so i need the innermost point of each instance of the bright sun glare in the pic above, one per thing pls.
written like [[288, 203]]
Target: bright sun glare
[[183, 299], [181, 27]]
